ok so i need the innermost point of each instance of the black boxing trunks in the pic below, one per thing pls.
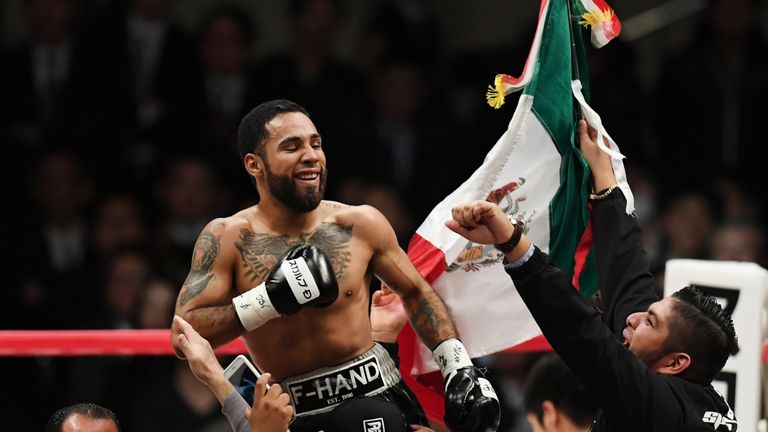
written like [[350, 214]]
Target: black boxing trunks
[[316, 394]]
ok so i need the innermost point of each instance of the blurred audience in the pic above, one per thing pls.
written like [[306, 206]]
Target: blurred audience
[[688, 220], [44, 78], [409, 136], [118, 221], [122, 127], [229, 87], [188, 195], [710, 98], [145, 82], [738, 241], [56, 286], [157, 304]]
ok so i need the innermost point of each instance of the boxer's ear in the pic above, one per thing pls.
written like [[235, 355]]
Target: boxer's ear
[[254, 165]]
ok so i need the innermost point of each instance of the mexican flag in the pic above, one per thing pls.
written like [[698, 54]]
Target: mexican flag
[[536, 174]]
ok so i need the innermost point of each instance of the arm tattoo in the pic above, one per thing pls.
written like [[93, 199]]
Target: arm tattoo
[[218, 324], [259, 252], [430, 320], [201, 270]]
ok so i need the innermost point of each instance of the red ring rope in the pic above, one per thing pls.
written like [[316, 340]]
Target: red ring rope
[[72, 343], [54, 343]]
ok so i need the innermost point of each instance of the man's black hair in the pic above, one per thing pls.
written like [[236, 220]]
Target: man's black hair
[[56, 422], [550, 379], [252, 133], [701, 328]]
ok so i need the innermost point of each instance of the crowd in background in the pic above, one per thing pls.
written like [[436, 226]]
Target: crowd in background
[[120, 131]]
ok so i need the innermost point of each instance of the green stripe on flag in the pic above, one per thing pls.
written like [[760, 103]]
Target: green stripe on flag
[[553, 105]]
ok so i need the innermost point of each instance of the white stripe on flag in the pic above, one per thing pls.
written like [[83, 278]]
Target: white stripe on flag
[[488, 312]]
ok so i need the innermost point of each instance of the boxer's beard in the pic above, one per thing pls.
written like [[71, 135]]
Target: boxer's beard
[[284, 189]]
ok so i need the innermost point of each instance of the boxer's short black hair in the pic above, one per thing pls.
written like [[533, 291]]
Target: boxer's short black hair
[[252, 133]]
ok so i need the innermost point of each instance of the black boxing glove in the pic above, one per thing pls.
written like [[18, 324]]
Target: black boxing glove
[[302, 277], [471, 403]]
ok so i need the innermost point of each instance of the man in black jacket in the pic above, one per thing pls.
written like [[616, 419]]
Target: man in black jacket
[[648, 363]]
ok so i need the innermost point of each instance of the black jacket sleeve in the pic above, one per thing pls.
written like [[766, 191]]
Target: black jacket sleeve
[[624, 278], [623, 386]]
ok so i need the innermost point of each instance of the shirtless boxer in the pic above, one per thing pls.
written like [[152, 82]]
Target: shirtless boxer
[[319, 347]]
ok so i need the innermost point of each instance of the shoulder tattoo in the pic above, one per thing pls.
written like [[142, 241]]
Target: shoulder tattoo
[[201, 271]]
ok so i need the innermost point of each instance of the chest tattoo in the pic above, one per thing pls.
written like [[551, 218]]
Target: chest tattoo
[[259, 252]]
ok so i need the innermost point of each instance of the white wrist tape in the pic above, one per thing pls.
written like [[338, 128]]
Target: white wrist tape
[[254, 308], [451, 355]]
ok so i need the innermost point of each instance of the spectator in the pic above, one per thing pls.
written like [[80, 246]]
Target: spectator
[[188, 194], [43, 79], [728, 57], [688, 220], [156, 305], [227, 88], [83, 417], [738, 241], [127, 273], [118, 222], [54, 244], [146, 76], [555, 400], [410, 140]]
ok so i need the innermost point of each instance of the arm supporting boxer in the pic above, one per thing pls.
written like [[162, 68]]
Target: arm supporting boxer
[[218, 324]]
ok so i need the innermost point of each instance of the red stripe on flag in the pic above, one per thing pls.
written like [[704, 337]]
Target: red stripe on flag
[[428, 259], [582, 251], [536, 344], [431, 399]]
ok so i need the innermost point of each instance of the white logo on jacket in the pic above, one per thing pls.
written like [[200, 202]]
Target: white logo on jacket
[[718, 420]]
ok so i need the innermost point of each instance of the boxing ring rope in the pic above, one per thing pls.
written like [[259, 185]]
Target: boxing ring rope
[[75, 343]]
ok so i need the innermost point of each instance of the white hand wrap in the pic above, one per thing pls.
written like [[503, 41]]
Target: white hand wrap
[[451, 355], [254, 308]]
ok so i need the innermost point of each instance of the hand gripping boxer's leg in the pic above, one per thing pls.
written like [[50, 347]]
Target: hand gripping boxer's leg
[[471, 403], [302, 277]]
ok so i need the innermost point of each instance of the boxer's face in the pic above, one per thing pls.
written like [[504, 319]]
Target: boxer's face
[[294, 162], [647, 331]]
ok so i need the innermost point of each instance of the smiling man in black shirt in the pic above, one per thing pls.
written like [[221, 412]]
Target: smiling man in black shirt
[[648, 362]]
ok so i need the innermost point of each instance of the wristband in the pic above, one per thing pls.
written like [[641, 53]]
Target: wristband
[[514, 239], [451, 355], [254, 308], [603, 194]]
